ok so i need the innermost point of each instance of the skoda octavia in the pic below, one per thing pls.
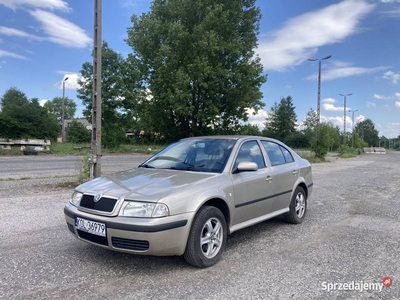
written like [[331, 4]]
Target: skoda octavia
[[189, 197]]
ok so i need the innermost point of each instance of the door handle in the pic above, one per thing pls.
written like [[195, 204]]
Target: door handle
[[269, 178], [295, 172]]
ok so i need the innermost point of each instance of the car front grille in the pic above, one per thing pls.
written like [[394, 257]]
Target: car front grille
[[93, 238], [136, 245], [105, 204]]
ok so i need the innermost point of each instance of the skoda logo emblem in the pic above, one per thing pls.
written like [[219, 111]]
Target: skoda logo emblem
[[97, 197]]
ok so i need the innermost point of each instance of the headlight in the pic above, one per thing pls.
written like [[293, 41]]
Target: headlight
[[143, 210], [76, 198]]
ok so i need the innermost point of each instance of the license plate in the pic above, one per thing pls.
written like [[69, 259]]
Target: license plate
[[92, 227]]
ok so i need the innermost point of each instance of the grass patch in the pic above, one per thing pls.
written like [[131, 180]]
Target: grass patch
[[347, 155], [313, 159], [12, 151], [66, 148], [24, 178], [143, 149], [7, 179]]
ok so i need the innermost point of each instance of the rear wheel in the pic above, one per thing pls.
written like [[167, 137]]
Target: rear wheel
[[298, 207], [207, 238]]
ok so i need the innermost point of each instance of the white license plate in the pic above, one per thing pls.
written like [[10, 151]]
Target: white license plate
[[92, 227]]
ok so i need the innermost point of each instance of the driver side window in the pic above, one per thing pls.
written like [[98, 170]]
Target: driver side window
[[250, 152]]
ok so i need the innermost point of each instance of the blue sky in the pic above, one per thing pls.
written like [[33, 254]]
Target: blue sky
[[44, 41]]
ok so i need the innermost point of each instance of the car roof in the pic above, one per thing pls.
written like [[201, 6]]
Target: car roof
[[231, 137]]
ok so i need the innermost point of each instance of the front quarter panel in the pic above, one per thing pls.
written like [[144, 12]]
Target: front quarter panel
[[192, 197]]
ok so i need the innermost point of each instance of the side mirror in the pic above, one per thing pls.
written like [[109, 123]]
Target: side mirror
[[246, 166]]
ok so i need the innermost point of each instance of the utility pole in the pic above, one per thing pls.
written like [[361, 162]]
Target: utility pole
[[352, 128], [344, 117], [318, 102], [96, 110], [63, 112]]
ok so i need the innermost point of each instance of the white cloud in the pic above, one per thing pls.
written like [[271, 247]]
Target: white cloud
[[42, 102], [371, 104], [61, 31], [48, 4], [397, 95], [397, 104], [301, 36], [342, 72], [328, 100], [71, 83], [394, 13], [391, 130], [331, 107], [258, 119], [389, 1], [380, 97], [328, 104], [4, 53], [338, 121], [18, 33], [392, 76]]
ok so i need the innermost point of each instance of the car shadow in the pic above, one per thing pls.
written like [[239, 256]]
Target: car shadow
[[128, 263]]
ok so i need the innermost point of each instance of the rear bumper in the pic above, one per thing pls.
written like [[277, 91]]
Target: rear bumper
[[146, 236]]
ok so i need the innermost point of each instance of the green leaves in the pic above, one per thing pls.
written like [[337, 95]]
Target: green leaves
[[366, 130], [281, 121], [197, 59], [21, 118], [78, 133], [54, 107], [121, 94]]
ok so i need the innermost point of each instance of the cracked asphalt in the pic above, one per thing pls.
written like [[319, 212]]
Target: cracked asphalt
[[351, 235]]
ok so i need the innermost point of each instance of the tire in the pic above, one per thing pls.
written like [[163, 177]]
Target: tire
[[298, 207], [207, 238], [30, 152]]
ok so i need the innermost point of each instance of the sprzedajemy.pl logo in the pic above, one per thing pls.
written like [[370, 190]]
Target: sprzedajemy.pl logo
[[357, 285]]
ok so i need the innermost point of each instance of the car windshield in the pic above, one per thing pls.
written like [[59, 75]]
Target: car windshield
[[203, 155]]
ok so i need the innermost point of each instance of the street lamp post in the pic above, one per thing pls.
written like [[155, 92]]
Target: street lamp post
[[352, 128], [319, 100], [63, 112], [344, 116]]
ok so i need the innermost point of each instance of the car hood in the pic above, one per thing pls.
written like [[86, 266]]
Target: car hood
[[143, 184]]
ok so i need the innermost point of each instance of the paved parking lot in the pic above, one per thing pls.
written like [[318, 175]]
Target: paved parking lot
[[349, 240]]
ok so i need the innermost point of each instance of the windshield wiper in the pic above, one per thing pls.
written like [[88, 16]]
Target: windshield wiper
[[146, 166], [188, 168]]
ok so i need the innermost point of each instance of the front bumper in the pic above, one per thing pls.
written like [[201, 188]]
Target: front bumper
[[148, 236]]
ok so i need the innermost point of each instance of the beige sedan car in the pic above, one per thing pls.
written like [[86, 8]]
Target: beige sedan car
[[189, 197]]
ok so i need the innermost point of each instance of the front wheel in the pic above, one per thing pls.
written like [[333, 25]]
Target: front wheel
[[207, 238], [298, 207]]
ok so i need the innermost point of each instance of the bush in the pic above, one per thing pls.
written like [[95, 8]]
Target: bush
[[78, 133]]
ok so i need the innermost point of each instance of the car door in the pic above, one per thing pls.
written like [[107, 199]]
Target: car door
[[252, 189], [284, 170]]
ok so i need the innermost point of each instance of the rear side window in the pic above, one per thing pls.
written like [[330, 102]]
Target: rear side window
[[277, 154], [287, 154]]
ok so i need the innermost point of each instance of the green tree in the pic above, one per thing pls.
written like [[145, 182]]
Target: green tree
[[329, 139], [120, 93], [23, 118], [12, 99], [198, 61], [366, 130], [9, 128], [281, 121], [78, 133], [249, 129], [54, 107]]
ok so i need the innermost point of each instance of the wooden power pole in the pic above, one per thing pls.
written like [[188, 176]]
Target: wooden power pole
[[96, 110]]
